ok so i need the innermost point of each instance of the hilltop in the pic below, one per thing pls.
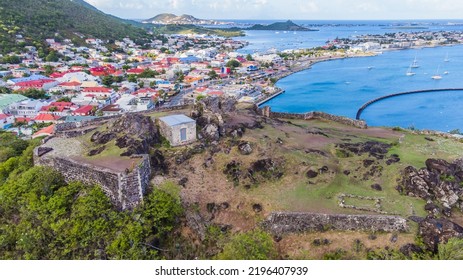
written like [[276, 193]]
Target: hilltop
[[281, 26], [182, 19], [30, 22], [249, 172]]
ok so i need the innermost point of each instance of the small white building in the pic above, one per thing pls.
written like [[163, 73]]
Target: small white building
[[179, 130]]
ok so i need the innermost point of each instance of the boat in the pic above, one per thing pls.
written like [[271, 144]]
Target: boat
[[370, 67], [437, 76], [446, 59], [446, 72], [415, 63], [410, 72]]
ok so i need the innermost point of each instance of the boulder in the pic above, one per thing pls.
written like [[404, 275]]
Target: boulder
[[211, 132], [377, 187], [245, 148], [311, 174], [435, 231]]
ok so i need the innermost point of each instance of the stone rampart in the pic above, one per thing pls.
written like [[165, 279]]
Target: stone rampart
[[267, 112], [288, 222], [125, 189]]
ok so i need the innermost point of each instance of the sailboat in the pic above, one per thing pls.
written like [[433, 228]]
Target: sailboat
[[437, 76], [415, 63], [446, 59], [409, 71]]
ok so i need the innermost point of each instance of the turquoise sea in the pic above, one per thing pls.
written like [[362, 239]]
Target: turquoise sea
[[342, 86]]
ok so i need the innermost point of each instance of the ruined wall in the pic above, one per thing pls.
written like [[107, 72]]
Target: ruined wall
[[286, 222], [124, 189], [267, 112]]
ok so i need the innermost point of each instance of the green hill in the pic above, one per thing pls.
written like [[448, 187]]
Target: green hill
[[29, 22], [281, 26]]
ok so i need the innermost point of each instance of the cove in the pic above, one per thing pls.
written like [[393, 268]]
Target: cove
[[342, 86]]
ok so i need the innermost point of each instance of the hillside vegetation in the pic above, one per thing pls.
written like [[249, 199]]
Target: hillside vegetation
[[30, 22]]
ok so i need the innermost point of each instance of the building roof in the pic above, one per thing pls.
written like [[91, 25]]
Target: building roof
[[84, 109], [46, 117], [8, 99], [47, 131], [175, 120]]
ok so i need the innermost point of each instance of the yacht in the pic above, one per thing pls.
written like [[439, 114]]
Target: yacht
[[446, 59], [437, 76], [415, 63], [409, 71]]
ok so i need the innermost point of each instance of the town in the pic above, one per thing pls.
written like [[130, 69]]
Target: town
[[76, 83]]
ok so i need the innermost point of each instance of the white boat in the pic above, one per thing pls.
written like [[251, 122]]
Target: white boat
[[446, 59], [437, 76], [410, 72], [446, 72], [415, 63]]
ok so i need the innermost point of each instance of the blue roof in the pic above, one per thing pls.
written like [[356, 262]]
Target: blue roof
[[189, 59], [176, 120], [30, 78]]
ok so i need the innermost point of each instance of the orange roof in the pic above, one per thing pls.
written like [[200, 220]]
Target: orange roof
[[70, 84], [44, 131], [46, 118], [97, 89]]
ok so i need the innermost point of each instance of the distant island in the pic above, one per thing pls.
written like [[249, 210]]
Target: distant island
[[166, 19], [281, 26]]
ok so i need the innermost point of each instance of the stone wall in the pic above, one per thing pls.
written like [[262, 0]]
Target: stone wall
[[286, 222], [125, 189], [266, 112]]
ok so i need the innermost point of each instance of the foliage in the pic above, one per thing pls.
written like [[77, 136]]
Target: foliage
[[37, 20], [253, 245], [233, 63], [34, 93], [452, 250], [43, 217]]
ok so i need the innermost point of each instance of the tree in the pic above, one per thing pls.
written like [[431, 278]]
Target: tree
[[253, 245], [452, 250], [107, 80], [49, 69], [52, 57], [233, 63], [213, 75], [249, 57]]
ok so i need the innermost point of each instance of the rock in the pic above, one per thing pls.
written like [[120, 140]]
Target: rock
[[197, 223], [257, 207], [233, 171], [393, 159], [368, 162], [435, 231], [440, 166], [182, 182], [377, 187], [268, 169], [279, 141], [225, 205], [410, 249], [323, 170], [96, 151], [311, 174], [245, 148], [394, 238], [432, 208], [346, 172], [321, 242], [375, 149], [159, 164], [413, 184], [102, 138], [211, 132], [208, 162], [429, 139]]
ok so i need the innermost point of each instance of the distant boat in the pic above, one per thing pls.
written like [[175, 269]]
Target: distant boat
[[446, 72], [415, 63], [410, 72], [437, 76], [370, 67], [446, 59]]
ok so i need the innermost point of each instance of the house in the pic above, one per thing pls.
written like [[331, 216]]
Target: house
[[27, 108], [6, 100], [6, 121], [111, 110], [46, 118], [86, 110], [178, 129], [47, 131]]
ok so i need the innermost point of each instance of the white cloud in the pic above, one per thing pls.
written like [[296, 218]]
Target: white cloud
[[291, 9]]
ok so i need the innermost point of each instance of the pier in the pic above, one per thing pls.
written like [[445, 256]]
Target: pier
[[364, 106]]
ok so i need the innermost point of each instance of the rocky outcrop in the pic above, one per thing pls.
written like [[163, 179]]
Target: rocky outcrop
[[245, 148], [377, 150], [440, 181], [436, 231]]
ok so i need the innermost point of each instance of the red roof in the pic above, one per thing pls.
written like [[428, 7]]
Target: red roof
[[46, 117], [70, 84], [48, 108], [97, 89], [84, 110], [135, 71], [62, 104], [37, 83], [21, 119], [47, 131], [215, 92], [4, 116]]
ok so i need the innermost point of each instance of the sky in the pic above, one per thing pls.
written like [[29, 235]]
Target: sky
[[285, 9]]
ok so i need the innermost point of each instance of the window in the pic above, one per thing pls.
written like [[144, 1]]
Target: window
[[183, 134]]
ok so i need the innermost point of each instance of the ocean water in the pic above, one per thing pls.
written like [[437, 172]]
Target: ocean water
[[342, 86], [262, 41]]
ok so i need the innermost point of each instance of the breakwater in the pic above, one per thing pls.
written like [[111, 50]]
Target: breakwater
[[366, 105]]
